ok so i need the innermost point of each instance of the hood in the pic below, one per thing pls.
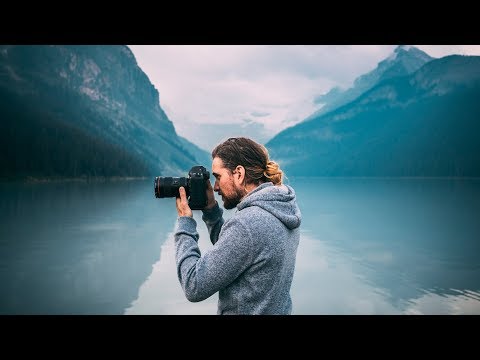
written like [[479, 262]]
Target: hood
[[280, 201]]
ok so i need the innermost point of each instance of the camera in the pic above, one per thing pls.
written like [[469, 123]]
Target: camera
[[195, 186]]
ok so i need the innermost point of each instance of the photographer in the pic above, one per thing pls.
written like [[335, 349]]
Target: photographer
[[252, 261]]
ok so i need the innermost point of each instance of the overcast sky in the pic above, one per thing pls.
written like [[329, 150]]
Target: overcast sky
[[211, 92]]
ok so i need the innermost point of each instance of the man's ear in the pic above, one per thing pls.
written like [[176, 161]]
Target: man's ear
[[239, 174]]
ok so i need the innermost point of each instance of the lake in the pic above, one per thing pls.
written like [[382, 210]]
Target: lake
[[368, 246]]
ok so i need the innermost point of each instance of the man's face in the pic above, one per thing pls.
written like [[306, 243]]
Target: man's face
[[225, 185]]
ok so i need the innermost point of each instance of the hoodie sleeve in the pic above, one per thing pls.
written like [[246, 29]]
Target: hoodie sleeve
[[214, 221], [203, 276]]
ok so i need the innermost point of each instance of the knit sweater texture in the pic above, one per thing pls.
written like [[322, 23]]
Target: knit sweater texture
[[252, 261]]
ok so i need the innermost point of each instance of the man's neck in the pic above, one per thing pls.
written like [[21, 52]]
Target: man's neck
[[249, 188]]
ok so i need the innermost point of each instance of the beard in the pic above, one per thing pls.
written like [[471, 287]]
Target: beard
[[229, 202]]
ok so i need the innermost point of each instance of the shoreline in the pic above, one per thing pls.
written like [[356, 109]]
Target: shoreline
[[389, 177], [102, 179], [41, 180]]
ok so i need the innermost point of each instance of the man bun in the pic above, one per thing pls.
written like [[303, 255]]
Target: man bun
[[273, 173]]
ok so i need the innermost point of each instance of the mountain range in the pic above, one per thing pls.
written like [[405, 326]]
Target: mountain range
[[403, 61], [90, 111], [423, 123], [84, 111]]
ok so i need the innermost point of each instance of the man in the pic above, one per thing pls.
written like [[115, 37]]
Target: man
[[252, 261]]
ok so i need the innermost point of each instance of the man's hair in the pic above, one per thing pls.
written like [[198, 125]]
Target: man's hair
[[252, 156]]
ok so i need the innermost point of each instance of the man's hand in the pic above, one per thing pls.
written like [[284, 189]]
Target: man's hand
[[210, 197], [182, 203]]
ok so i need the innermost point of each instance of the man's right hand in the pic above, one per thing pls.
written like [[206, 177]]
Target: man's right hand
[[182, 203], [211, 202]]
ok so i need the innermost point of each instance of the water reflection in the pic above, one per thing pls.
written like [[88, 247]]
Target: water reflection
[[161, 293], [78, 248], [389, 245], [368, 246], [325, 282], [463, 303]]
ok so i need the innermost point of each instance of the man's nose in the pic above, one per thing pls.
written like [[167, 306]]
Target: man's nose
[[216, 187]]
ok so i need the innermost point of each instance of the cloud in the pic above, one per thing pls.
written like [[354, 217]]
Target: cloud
[[259, 114], [207, 136], [276, 85], [444, 50], [464, 302]]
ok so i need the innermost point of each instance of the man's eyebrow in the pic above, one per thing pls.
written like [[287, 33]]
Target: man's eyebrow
[[215, 174]]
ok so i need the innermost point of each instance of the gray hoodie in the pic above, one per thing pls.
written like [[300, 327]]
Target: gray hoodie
[[252, 261]]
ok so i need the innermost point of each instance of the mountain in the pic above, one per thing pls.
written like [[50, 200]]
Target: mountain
[[423, 124], [203, 157], [403, 61], [83, 111]]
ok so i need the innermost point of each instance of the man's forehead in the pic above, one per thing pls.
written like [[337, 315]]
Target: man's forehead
[[217, 165]]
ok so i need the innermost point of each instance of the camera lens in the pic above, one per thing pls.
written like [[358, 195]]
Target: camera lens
[[168, 186]]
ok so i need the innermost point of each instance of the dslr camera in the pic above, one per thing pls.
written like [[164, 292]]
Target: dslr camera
[[195, 186]]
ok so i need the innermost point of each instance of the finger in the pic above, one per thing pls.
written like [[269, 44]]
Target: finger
[[183, 195], [210, 197], [183, 208], [209, 185]]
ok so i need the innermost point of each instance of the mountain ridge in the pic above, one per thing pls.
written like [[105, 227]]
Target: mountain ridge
[[101, 93], [404, 60], [422, 124]]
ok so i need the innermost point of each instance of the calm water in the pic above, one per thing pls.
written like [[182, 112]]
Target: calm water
[[368, 246]]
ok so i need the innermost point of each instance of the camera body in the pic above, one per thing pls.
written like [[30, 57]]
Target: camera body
[[195, 186]]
